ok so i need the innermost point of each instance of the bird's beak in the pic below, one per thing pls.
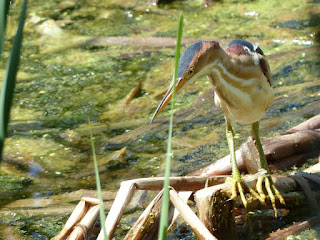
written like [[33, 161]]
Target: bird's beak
[[167, 97]]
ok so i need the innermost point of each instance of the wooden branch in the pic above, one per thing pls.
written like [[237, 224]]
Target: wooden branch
[[146, 219], [81, 229], [190, 217], [294, 229], [78, 213], [184, 195], [81, 220], [216, 211], [121, 201], [221, 166], [187, 183], [283, 151], [311, 124], [292, 149]]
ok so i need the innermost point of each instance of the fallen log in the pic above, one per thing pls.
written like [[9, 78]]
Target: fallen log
[[311, 124], [293, 147], [284, 151]]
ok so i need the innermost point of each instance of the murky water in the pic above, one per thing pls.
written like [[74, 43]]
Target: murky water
[[71, 71]]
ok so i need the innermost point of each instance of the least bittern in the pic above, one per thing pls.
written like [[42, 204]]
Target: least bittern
[[241, 78]]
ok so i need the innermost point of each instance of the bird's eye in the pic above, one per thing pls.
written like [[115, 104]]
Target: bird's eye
[[191, 70], [247, 50]]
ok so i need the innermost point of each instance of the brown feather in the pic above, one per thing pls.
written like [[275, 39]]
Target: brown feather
[[265, 69]]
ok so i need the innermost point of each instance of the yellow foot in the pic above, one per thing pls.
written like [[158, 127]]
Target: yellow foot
[[272, 191], [237, 186]]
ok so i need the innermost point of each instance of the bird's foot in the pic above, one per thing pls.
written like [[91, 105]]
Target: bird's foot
[[237, 186], [272, 191]]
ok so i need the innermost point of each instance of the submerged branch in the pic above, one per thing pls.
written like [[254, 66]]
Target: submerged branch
[[294, 229]]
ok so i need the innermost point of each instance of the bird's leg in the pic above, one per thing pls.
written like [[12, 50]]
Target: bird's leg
[[269, 185], [236, 177]]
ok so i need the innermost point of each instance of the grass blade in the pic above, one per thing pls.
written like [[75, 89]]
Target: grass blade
[[8, 84], [4, 9], [165, 198], [96, 170]]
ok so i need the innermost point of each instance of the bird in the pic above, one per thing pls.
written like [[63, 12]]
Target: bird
[[241, 78]]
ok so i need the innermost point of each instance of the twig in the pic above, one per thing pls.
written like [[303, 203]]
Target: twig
[[190, 217], [146, 219], [122, 199], [133, 92], [294, 229], [85, 214]]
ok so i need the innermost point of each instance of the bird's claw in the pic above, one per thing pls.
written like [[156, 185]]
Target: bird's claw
[[272, 191], [237, 186]]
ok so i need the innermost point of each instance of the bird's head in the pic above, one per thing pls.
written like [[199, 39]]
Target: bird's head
[[192, 63]]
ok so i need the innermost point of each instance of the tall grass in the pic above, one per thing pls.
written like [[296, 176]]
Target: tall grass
[[96, 170], [4, 9], [165, 198], [9, 80]]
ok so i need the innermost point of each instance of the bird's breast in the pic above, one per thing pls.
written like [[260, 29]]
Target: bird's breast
[[243, 97]]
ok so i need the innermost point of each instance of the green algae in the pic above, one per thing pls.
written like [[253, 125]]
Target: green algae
[[12, 187], [34, 227], [311, 234]]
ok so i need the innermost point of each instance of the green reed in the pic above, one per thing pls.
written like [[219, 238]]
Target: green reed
[[96, 170], [165, 198], [9, 80]]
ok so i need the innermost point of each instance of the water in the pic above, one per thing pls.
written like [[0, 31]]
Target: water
[[70, 72]]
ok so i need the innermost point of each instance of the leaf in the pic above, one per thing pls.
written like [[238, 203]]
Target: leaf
[[8, 84]]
